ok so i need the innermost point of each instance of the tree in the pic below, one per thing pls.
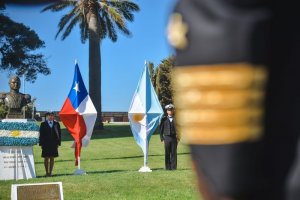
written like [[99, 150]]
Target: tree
[[30, 109], [18, 45], [97, 19], [3, 111], [152, 73], [163, 81]]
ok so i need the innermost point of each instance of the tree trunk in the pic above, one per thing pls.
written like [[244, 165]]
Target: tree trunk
[[95, 69]]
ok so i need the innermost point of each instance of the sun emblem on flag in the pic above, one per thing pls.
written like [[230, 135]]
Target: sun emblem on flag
[[15, 133], [137, 117]]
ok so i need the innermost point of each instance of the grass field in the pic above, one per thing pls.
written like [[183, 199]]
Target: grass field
[[112, 161]]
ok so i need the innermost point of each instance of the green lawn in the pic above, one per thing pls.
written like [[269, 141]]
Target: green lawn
[[112, 161]]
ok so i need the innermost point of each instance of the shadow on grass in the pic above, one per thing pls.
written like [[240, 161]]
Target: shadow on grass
[[110, 171], [178, 169], [87, 172], [54, 175], [116, 158], [141, 156], [112, 158], [107, 171], [56, 161]]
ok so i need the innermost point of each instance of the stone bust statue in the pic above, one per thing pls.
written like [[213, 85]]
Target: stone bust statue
[[14, 100]]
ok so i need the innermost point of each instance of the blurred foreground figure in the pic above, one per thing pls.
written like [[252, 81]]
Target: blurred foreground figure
[[237, 91]]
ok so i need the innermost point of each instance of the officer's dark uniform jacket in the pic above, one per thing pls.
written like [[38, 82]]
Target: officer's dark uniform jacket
[[237, 78], [167, 128]]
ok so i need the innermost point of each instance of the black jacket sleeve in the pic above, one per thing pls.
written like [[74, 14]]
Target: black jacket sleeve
[[161, 128], [42, 131], [58, 132]]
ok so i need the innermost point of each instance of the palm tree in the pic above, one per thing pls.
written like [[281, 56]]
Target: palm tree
[[97, 19]]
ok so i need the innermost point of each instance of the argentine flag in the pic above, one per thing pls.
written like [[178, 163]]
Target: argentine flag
[[144, 114], [78, 113]]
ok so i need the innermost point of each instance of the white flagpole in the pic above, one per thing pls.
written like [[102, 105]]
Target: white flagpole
[[78, 162], [145, 168], [146, 155], [79, 171], [145, 159]]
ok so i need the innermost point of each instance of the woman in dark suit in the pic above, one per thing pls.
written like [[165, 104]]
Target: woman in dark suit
[[50, 139]]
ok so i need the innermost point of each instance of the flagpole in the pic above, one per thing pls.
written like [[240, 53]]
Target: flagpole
[[78, 162], [146, 155], [145, 159], [78, 94], [145, 168], [144, 100], [79, 171]]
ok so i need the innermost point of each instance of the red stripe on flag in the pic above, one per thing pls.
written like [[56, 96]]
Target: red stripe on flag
[[75, 124]]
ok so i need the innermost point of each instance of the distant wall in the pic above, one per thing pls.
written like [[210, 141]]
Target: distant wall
[[106, 116], [114, 116]]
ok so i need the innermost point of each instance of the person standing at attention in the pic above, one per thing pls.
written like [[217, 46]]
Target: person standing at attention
[[50, 139], [170, 138]]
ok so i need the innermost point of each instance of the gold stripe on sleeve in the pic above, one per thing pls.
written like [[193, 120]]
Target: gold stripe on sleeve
[[219, 104]]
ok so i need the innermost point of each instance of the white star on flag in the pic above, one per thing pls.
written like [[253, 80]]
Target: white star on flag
[[76, 88]]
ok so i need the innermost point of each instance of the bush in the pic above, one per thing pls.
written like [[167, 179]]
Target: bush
[[3, 111]]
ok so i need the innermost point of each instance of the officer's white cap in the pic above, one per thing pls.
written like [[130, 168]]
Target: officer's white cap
[[169, 106]]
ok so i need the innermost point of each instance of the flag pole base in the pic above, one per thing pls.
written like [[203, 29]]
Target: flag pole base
[[79, 172], [145, 169]]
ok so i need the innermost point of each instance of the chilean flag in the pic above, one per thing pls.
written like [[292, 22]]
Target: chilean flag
[[78, 113]]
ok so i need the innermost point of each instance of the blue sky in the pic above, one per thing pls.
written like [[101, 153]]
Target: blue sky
[[122, 62]]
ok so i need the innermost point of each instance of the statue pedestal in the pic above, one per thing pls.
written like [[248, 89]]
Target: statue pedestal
[[17, 120], [15, 115], [17, 137], [16, 162]]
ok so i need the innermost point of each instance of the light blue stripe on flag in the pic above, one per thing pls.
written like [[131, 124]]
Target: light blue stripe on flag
[[145, 112]]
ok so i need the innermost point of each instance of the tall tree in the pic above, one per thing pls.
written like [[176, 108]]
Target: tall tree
[[18, 49], [97, 19], [152, 73], [163, 85]]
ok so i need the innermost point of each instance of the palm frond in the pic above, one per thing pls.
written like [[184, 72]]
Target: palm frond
[[115, 15], [125, 8], [131, 6], [66, 19], [110, 29], [126, 5], [83, 30], [62, 22], [123, 28], [112, 16], [83, 9], [58, 6], [69, 28], [126, 13], [102, 26]]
